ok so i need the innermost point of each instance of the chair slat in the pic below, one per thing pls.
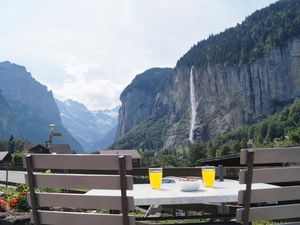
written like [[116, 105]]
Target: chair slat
[[65, 201], [274, 175], [271, 212], [64, 218], [78, 162], [81, 201], [272, 194], [272, 155], [80, 181]]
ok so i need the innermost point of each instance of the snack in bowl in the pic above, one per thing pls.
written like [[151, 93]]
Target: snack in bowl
[[188, 184]]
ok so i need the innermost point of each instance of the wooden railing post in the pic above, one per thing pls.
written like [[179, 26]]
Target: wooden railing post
[[122, 171], [221, 172], [247, 197], [29, 167]]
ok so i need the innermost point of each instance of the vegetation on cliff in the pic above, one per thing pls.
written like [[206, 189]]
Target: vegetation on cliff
[[278, 130], [139, 98], [150, 81], [263, 30], [145, 136]]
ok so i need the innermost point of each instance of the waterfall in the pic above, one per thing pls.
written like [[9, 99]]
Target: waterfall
[[193, 106], [123, 124]]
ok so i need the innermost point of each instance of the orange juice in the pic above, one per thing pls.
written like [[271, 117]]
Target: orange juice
[[155, 175], [208, 176]]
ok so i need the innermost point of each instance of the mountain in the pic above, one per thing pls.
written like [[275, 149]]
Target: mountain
[[7, 121], [88, 127], [107, 140], [33, 106], [233, 78], [139, 98], [281, 129]]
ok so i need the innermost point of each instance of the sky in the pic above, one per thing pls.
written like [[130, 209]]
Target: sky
[[90, 50]]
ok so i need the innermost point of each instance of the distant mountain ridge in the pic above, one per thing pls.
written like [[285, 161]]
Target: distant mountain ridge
[[88, 127], [32, 105], [107, 140]]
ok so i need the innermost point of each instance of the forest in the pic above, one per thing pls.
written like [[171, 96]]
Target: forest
[[263, 30]]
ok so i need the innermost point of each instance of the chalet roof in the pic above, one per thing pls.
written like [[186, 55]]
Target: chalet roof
[[32, 146], [5, 155], [134, 153], [58, 148]]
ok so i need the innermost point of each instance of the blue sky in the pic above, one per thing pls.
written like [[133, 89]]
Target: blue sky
[[89, 50]]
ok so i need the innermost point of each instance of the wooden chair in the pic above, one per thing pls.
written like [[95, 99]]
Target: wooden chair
[[287, 197], [59, 202]]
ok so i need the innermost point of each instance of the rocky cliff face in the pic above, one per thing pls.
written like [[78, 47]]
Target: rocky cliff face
[[225, 99], [8, 124], [33, 105], [228, 97], [139, 98], [234, 78]]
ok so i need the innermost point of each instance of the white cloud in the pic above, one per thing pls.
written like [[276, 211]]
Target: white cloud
[[96, 93], [77, 69], [81, 48]]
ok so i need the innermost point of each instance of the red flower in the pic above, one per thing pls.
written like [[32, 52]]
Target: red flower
[[2, 205]]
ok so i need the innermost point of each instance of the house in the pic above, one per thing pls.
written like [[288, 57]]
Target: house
[[5, 158], [46, 149], [135, 155], [36, 148]]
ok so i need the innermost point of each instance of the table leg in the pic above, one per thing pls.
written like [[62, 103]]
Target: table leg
[[153, 210], [223, 209]]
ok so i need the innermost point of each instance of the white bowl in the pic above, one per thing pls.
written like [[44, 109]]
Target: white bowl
[[188, 184]]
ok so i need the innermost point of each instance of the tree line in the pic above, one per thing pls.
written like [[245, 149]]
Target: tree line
[[265, 29]]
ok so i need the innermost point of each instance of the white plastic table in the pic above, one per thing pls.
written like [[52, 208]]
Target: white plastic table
[[169, 194]]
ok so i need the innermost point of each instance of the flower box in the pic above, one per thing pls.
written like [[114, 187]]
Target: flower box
[[11, 219]]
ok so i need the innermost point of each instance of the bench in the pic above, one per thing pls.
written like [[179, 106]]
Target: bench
[[285, 199], [70, 208]]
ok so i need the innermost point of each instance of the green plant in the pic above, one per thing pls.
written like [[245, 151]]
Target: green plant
[[17, 157], [7, 190], [17, 201], [22, 188], [22, 205]]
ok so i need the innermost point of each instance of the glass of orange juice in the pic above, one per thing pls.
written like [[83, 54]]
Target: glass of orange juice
[[155, 176], [208, 175]]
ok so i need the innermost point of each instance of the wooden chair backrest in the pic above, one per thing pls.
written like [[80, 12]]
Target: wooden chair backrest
[[61, 207], [286, 195]]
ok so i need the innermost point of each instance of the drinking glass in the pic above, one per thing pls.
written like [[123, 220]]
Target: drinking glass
[[208, 176], [155, 175]]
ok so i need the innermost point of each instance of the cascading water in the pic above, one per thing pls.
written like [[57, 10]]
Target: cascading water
[[193, 106], [125, 117]]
